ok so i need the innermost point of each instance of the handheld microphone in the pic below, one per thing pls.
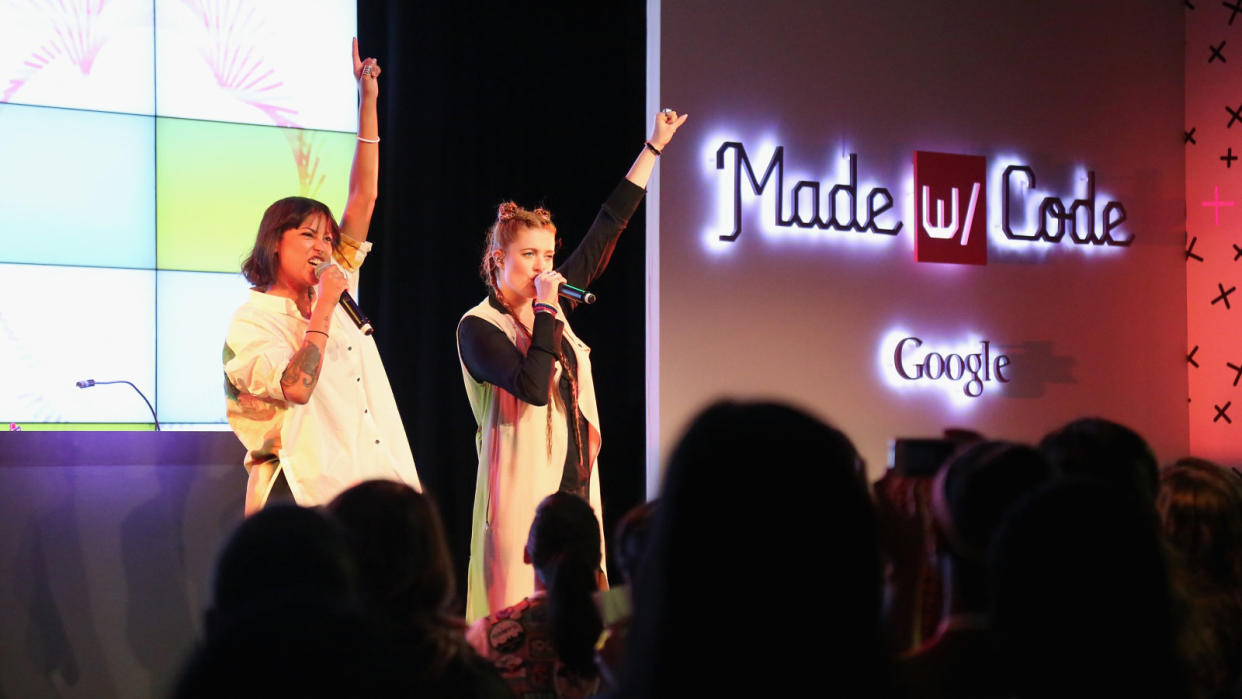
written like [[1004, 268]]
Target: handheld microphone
[[575, 294], [348, 303]]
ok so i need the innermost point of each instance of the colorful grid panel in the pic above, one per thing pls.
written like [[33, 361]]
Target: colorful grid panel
[[215, 180], [61, 325], [276, 62], [194, 313], [76, 188], [85, 55]]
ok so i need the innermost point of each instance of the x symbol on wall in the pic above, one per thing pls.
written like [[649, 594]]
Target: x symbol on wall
[[1234, 8], [1217, 54], [1234, 115], [1189, 136], [1222, 412], [1190, 250], [1224, 295], [1191, 357], [1237, 252], [1237, 372]]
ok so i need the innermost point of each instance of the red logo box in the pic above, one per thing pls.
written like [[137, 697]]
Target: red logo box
[[950, 208]]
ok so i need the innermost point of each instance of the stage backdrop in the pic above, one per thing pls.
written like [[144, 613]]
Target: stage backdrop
[[140, 143], [911, 215]]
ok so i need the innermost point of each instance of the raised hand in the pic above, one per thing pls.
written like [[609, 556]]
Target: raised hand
[[366, 72], [666, 124]]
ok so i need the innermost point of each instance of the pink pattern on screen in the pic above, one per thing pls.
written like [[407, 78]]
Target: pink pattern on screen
[[72, 35], [239, 68], [304, 144], [236, 60]]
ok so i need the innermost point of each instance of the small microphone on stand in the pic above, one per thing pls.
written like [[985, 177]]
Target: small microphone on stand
[[573, 293], [87, 383]]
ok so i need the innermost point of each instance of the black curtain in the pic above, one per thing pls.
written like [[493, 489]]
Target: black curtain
[[542, 103]]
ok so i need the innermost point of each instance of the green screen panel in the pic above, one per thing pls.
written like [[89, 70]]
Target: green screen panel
[[214, 180]]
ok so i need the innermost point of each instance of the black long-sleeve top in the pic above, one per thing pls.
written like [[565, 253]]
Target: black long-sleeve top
[[490, 357]]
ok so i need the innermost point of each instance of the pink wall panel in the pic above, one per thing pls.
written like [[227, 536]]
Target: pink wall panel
[[1212, 139]]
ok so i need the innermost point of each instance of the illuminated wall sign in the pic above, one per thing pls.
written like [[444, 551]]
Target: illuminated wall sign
[[950, 205], [973, 370], [827, 217], [962, 235], [1053, 210]]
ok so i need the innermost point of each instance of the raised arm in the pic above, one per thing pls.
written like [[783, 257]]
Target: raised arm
[[588, 260], [666, 124], [364, 175]]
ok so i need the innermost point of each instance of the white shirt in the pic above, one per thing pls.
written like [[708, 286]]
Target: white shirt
[[348, 432]]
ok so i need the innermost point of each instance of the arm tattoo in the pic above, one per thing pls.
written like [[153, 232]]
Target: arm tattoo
[[303, 366]]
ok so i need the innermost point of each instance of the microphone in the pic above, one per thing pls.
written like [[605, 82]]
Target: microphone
[[573, 293], [348, 303], [87, 383]]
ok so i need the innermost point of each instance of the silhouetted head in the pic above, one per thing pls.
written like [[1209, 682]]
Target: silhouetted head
[[764, 524], [294, 650], [970, 495], [1081, 598], [398, 538], [1200, 508], [564, 548], [283, 554], [1097, 448], [629, 540], [977, 486]]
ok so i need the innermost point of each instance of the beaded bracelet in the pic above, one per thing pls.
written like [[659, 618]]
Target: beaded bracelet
[[652, 148]]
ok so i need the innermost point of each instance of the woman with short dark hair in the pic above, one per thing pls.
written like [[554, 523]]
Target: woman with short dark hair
[[305, 388]]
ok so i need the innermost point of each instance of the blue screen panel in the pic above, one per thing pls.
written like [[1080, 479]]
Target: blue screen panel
[[76, 188]]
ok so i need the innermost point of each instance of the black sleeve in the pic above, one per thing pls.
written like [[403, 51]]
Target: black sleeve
[[490, 357], [588, 260]]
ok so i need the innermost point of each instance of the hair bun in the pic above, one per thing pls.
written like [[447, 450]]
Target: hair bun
[[506, 211], [543, 215]]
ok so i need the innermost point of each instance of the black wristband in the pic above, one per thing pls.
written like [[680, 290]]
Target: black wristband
[[651, 148]]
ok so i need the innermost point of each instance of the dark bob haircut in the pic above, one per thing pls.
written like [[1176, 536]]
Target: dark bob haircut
[[261, 265]]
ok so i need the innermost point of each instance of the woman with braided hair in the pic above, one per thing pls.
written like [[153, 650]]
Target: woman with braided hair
[[528, 378], [564, 550]]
